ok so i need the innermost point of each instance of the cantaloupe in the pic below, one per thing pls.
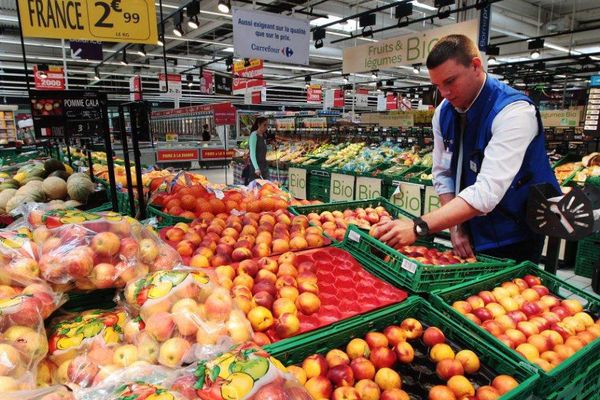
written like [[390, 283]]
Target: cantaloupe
[[54, 188], [34, 191], [80, 188], [17, 200], [5, 196]]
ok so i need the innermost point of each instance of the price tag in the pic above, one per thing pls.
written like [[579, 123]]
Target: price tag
[[297, 182], [131, 21], [354, 236], [409, 266]]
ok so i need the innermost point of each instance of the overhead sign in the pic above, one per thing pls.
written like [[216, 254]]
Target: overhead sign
[[86, 50], [333, 98], [561, 117], [404, 50], [253, 71], [314, 94], [270, 36], [135, 88], [362, 97], [224, 113], [223, 84], [206, 82], [131, 21], [174, 89], [391, 102], [393, 119], [381, 102], [53, 80], [485, 23]]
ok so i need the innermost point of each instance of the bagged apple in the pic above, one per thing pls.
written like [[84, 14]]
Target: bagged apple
[[101, 253], [49, 393], [244, 373], [183, 315], [85, 348], [18, 257]]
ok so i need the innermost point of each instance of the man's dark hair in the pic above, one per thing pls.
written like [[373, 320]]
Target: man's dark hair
[[457, 47]]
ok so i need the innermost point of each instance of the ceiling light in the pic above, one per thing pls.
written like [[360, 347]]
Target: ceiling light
[[190, 80], [373, 74], [141, 51], [318, 43], [228, 50], [345, 78], [193, 22], [178, 31], [96, 74], [492, 61], [160, 42], [560, 76], [177, 20], [423, 6], [534, 54], [43, 70], [224, 6], [417, 68]]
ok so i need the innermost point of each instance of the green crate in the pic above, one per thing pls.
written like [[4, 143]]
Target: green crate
[[593, 180], [165, 219], [571, 370], [319, 182], [400, 270], [586, 387], [339, 334], [418, 180], [394, 211], [588, 255], [103, 207]]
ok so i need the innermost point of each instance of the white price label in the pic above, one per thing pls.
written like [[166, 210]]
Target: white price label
[[354, 236], [409, 266]]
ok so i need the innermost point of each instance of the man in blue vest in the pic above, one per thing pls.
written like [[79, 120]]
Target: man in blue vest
[[488, 152]]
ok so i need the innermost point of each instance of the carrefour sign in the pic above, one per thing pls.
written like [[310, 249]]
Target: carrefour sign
[[269, 36]]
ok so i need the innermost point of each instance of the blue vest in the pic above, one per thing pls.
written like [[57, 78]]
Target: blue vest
[[506, 224]]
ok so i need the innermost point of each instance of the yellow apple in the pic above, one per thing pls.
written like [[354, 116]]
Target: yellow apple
[[125, 355]]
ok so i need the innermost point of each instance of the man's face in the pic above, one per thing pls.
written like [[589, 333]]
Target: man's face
[[458, 84]]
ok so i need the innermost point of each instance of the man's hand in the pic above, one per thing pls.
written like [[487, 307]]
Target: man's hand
[[257, 173], [395, 233], [461, 242]]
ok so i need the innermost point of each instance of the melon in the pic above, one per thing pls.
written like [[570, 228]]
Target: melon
[[78, 175], [5, 196], [33, 191], [71, 204], [52, 165], [17, 200], [54, 188], [80, 188]]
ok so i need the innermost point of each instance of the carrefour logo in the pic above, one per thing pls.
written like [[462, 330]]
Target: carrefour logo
[[286, 51]]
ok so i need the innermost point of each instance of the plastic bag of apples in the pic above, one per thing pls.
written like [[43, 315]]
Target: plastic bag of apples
[[184, 315], [24, 304], [244, 373], [47, 393], [84, 348], [105, 251]]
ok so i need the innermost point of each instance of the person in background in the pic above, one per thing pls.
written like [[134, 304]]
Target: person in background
[[257, 145], [488, 152], [205, 133]]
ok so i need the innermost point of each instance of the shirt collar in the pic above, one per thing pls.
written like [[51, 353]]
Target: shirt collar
[[475, 99]]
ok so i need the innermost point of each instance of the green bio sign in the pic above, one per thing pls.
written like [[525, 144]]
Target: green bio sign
[[297, 182], [408, 197], [367, 188], [341, 187]]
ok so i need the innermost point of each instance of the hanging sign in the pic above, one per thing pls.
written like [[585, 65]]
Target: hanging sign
[[166, 156], [297, 182], [54, 80], [333, 98], [224, 113], [174, 91], [561, 117], [135, 88], [367, 188], [405, 104], [269, 36], [393, 119], [341, 187], [404, 50], [206, 82], [381, 102], [131, 21], [314, 94], [241, 71], [86, 50], [223, 84]]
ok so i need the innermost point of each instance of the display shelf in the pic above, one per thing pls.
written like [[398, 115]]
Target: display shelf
[[574, 369]]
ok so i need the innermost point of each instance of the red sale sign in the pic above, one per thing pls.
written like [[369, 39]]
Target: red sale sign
[[54, 79], [241, 71], [338, 98], [314, 94], [391, 102]]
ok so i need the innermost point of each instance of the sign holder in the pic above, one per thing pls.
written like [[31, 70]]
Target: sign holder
[[139, 116]]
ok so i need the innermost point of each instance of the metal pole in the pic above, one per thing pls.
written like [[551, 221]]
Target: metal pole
[[64, 56], [139, 122], [23, 51], [109, 153], [126, 156]]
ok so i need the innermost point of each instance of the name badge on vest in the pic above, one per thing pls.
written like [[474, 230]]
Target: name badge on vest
[[473, 165], [446, 159]]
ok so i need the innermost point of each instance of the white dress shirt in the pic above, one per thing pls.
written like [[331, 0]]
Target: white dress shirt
[[513, 129]]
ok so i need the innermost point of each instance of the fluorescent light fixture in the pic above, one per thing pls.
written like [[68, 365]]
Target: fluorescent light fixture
[[346, 26], [560, 76], [228, 50], [177, 31], [417, 68], [423, 6], [224, 6], [193, 22], [534, 54], [160, 42]]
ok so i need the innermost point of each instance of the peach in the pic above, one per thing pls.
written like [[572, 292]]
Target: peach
[[319, 387], [504, 383], [368, 390], [362, 368], [308, 303], [287, 325], [289, 292], [461, 386], [564, 351], [413, 328], [541, 343], [394, 334], [433, 336], [341, 375], [337, 357], [387, 378], [553, 336], [298, 373], [376, 339], [260, 318], [357, 348], [469, 361], [529, 351], [441, 392], [448, 368], [462, 307], [404, 352], [441, 351], [315, 365], [487, 393]]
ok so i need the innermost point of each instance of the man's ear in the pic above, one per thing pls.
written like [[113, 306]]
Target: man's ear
[[477, 63]]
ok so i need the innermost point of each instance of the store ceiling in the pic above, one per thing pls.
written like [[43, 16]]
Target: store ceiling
[[513, 21]]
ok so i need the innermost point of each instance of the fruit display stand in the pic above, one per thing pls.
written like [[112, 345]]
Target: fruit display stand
[[419, 375], [409, 273], [576, 377], [342, 206], [163, 218]]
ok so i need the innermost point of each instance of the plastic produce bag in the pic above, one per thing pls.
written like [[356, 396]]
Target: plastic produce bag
[[183, 315], [87, 347], [49, 393], [104, 252], [244, 373]]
